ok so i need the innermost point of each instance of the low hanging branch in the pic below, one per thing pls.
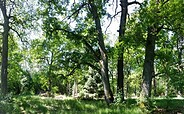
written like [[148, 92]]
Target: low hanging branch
[[93, 67], [83, 40], [73, 70]]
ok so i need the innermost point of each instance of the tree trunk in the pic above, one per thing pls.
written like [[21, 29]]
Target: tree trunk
[[103, 59], [155, 87], [68, 89], [127, 89], [148, 70], [4, 66], [49, 74], [180, 49], [120, 78], [75, 86]]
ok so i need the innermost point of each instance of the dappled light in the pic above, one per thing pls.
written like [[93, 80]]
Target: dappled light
[[91, 56]]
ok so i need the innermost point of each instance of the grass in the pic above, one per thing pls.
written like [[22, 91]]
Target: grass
[[168, 106], [39, 105], [43, 105]]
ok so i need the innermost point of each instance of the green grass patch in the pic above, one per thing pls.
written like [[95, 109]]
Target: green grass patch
[[35, 104], [168, 106], [44, 105]]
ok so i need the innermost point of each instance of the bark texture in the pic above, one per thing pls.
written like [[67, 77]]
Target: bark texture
[[103, 54], [4, 64], [120, 65], [148, 70]]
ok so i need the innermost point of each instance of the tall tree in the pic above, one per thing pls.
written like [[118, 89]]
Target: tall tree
[[122, 27], [103, 53], [6, 30], [120, 78], [153, 29], [148, 68], [11, 22]]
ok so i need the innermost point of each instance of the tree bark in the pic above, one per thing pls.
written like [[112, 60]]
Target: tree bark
[[103, 55], [75, 87], [49, 74], [180, 48], [155, 86], [148, 70], [120, 78], [4, 64]]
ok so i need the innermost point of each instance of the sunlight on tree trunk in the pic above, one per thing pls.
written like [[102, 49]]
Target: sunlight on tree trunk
[[104, 59]]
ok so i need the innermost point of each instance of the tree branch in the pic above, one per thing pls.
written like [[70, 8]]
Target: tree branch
[[18, 35], [74, 69], [159, 28], [76, 11], [134, 2], [93, 67], [84, 41], [157, 74], [165, 2], [111, 20]]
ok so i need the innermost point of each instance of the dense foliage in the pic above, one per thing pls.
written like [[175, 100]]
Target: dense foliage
[[68, 47]]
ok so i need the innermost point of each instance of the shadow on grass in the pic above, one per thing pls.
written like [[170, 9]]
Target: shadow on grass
[[35, 104], [40, 105], [168, 106]]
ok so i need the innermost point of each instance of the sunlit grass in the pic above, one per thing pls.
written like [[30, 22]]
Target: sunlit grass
[[35, 104], [44, 105]]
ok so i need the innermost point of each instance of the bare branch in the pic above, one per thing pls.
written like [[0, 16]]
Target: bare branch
[[76, 12], [157, 74], [18, 35], [11, 8], [165, 2], [73, 70], [134, 2], [15, 32], [111, 20]]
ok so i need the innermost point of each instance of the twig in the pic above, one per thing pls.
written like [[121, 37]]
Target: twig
[[134, 2], [111, 20], [77, 11], [18, 35]]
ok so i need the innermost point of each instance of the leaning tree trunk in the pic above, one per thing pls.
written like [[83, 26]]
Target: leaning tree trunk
[[104, 59], [148, 70], [120, 78], [4, 66]]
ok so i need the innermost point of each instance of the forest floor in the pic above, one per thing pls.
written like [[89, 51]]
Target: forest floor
[[67, 105]]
